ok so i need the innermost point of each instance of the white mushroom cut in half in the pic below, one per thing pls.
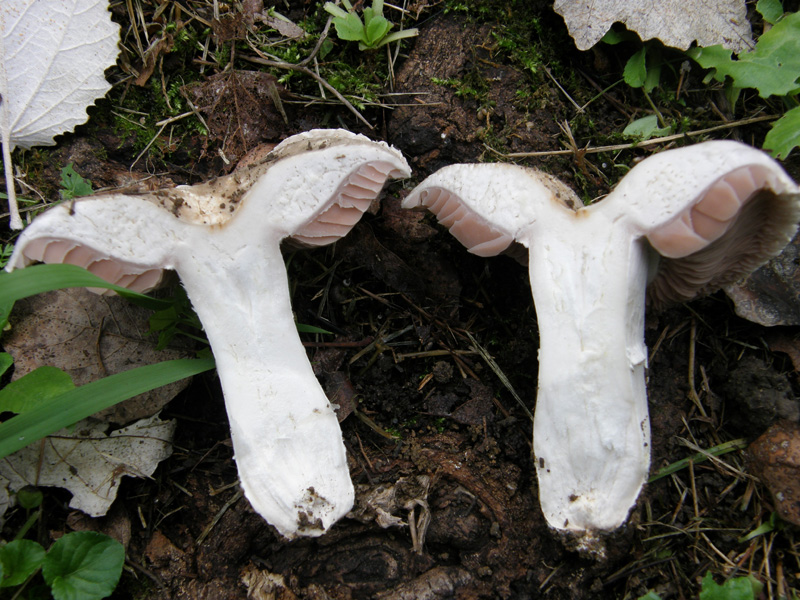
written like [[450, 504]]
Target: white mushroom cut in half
[[685, 222], [223, 239]]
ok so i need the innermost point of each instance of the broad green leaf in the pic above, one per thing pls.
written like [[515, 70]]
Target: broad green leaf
[[377, 7], [645, 128], [6, 360], [34, 389], [773, 68], [349, 28], [20, 560], [83, 565], [770, 10], [784, 134], [37, 279], [635, 72], [739, 588], [80, 402], [377, 28]]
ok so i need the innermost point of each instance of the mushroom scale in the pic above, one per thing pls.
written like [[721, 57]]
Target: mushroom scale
[[286, 438], [715, 211]]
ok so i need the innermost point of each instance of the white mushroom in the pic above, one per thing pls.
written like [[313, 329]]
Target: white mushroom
[[715, 211], [223, 239]]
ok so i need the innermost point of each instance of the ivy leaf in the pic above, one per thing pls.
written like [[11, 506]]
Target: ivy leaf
[[773, 68], [784, 134], [52, 58]]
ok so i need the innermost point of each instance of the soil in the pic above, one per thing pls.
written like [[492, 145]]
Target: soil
[[427, 422]]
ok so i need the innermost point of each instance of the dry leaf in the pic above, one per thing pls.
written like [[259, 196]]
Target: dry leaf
[[89, 337], [52, 58], [676, 23], [89, 463]]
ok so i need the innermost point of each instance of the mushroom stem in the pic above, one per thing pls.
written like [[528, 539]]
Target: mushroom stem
[[588, 278], [268, 384]]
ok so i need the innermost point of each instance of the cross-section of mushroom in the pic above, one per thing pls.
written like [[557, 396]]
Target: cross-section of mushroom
[[713, 212], [223, 239]]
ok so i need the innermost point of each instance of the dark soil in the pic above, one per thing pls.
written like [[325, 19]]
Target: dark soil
[[423, 414]]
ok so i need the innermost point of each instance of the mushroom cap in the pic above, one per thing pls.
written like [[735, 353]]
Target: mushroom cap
[[314, 186], [714, 212]]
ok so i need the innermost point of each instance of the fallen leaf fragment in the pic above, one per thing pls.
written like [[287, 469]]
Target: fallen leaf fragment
[[88, 462], [89, 337], [775, 459], [676, 23], [52, 59]]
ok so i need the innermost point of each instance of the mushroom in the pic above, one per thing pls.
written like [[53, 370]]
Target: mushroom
[[684, 221], [223, 239]]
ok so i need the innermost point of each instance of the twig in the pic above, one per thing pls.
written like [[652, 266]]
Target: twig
[[633, 146]]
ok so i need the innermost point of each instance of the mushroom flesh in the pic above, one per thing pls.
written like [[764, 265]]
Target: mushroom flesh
[[223, 239], [680, 223]]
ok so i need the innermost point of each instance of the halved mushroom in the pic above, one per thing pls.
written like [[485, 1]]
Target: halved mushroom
[[223, 239], [714, 212]]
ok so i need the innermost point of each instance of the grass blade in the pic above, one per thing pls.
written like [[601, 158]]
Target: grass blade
[[79, 403]]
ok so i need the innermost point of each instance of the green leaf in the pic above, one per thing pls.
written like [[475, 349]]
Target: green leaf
[[20, 560], [6, 360], [83, 565], [33, 389], [772, 68], [74, 185], [651, 595], [399, 35], [784, 134], [303, 328], [645, 128], [739, 588], [770, 10], [635, 73], [37, 279], [30, 497], [377, 28], [334, 10], [349, 28], [80, 402]]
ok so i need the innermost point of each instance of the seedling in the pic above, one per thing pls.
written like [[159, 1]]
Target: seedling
[[772, 68], [372, 32], [73, 185]]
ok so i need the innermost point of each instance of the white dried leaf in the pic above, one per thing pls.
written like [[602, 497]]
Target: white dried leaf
[[52, 59], [89, 463], [676, 23]]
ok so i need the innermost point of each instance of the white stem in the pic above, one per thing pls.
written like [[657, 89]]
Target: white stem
[[591, 430], [286, 438]]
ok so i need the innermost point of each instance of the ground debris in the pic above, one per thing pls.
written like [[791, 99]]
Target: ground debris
[[775, 459]]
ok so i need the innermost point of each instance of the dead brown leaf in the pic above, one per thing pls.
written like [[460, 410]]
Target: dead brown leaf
[[89, 337]]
